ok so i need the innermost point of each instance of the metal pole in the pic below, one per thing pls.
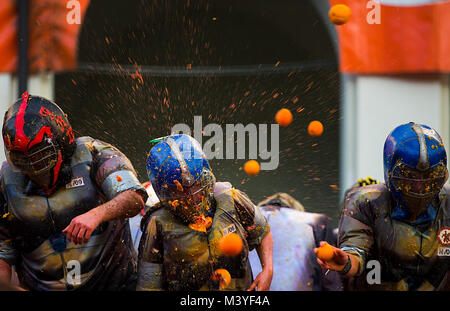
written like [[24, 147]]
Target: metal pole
[[23, 9]]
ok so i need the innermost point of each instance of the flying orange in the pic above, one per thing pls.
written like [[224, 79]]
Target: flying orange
[[339, 14], [315, 128], [283, 117], [231, 245], [252, 167]]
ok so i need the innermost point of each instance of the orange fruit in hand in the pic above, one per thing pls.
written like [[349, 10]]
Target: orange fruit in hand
[[325, 252], [252, 167], [315, 128], [231, 244], [223, 276], [339, 14], [283, 117]]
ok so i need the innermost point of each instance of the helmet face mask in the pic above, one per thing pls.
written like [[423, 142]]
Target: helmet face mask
[[45, 179], [418, 188], [39, 159], [190, 203], [416, 183], [188, 193], [190, 208]]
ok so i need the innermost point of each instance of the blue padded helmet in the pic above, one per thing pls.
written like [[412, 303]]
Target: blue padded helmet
[[176, 162], [415, 166], [180, 174]]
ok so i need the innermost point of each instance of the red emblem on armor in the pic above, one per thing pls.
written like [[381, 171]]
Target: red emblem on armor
[[444, 236]]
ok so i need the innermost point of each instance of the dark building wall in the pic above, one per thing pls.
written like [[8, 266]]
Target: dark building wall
[[279, 54]]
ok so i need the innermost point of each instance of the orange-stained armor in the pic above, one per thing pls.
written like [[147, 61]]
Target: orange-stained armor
[[172, 256], [31, 223]]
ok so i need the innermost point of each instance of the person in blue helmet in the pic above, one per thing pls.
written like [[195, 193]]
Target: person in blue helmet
[[396, 235], [182, 245]]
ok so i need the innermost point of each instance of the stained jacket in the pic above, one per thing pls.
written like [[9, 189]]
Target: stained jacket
[[31, 224], [174, 257], [410, 257]]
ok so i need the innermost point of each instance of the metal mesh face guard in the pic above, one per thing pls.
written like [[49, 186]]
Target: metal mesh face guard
[[188, 195], [40, 158], [413, 183], [180, 192], [191, 202]]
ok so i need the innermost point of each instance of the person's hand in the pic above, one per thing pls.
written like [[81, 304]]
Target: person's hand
[[336, 263], [81, 227], [262, 281]]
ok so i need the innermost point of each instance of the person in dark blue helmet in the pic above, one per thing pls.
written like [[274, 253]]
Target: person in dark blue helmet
[[181, 248], [401, 226]]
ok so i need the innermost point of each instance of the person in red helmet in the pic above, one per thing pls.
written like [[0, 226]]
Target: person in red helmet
[[64, 203]]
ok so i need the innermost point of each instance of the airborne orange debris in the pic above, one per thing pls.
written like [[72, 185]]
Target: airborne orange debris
[[231, 245], [202, 224], [315, 128], [283, 117], [179, 186], [252, 167], [339, 14]]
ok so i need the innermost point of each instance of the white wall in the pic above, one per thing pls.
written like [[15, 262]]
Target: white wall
[[374, 105], [7, 96]]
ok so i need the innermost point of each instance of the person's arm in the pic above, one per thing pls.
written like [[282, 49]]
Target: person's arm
[[328, 280], [124, 205], [356, 237], [265, 253], [339, 261], [115, 176], [258, 237]]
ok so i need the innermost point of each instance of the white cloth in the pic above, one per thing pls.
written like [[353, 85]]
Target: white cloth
[[135, 222], [294, 267]]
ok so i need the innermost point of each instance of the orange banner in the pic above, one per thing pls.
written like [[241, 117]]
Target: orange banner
[[8, 36], [407, 39], [53, 34]]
